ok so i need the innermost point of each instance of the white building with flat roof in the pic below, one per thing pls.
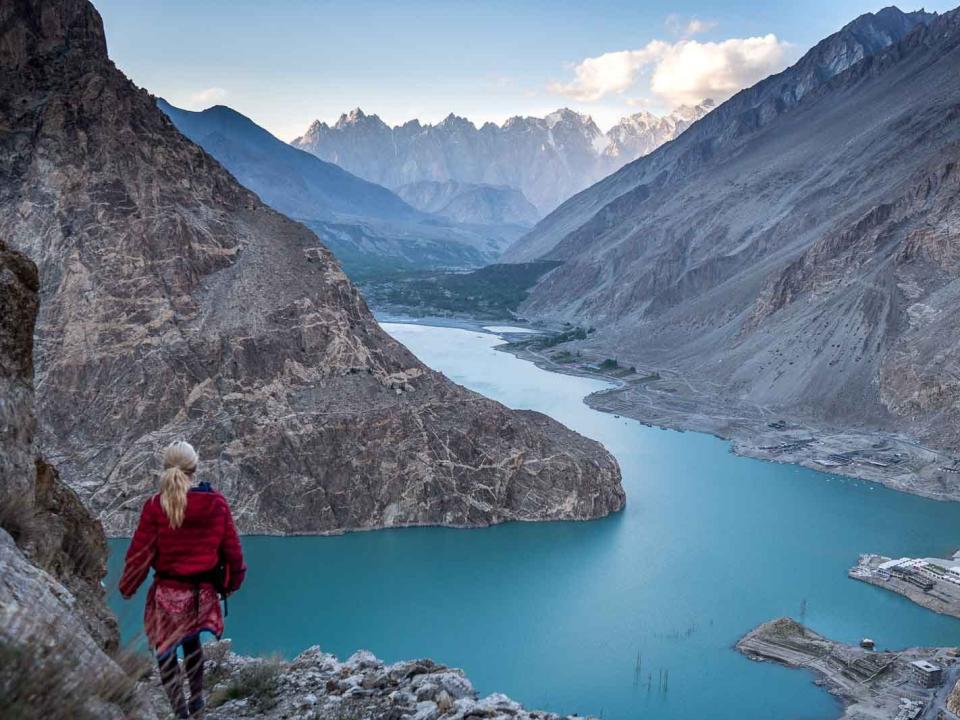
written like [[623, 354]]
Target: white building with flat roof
[[926, 673], [890, 564]]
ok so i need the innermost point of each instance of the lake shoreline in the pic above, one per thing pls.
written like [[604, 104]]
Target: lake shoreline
[[889, 459], [894, 461]]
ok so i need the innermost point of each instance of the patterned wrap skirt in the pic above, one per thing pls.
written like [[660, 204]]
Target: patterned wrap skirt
[[179, 610]]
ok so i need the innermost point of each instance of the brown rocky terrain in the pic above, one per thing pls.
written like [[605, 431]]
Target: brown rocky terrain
[[793, 255], [175, 304]]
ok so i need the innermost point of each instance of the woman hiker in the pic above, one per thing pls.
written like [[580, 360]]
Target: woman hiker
[[186, 533]]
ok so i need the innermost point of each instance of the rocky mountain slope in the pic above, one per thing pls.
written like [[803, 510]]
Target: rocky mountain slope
[[175, 304], [368, 228], [471, 202], [548, 159], [795, 251], [732, 125]]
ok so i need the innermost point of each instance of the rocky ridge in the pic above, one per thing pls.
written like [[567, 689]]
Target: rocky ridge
[[175, 304], [316, 685], [643, 132], [548, 159]]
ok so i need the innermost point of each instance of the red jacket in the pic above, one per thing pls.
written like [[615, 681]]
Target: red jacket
[[207, 535]]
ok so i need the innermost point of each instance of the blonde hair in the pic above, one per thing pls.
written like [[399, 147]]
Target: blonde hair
[[179, 463]]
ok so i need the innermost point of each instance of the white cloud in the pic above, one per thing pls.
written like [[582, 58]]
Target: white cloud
[[202, 99], [697, 26], [613, 72], [686, 28], [685, 71]]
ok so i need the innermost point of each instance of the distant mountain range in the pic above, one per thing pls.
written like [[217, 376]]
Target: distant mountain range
[[370, 229], [798, 247], [547, 159]]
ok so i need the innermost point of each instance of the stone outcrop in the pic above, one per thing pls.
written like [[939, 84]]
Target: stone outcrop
[[55, 627], [318, 685], [41, 514], [175, 304], [18, 308]]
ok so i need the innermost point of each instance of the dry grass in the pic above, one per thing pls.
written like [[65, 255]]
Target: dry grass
[[258, 681]]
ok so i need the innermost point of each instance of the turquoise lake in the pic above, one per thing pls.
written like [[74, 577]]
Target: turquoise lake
[[555, 614]]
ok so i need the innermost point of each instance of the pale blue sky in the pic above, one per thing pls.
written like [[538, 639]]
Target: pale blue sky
[[285, 63]]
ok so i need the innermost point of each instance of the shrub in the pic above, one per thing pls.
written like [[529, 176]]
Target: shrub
[[258, 681]]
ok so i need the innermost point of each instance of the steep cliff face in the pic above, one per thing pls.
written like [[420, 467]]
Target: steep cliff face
[[18, 308], [175, 304], [55, 627], [42, 515], [797, 248]]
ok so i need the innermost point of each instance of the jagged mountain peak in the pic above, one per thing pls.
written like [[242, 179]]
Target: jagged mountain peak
[[452, 121], [357, 118], [891, 20], [566, 115]]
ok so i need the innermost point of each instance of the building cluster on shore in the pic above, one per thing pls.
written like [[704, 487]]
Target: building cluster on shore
[[933, 583], [925, 573]]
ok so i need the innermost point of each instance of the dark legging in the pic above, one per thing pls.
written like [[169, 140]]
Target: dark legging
[[172, 682]]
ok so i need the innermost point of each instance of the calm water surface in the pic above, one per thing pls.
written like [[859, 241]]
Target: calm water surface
[[555, 614]]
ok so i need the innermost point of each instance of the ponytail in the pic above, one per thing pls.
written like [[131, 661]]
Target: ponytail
[[173, 495], [179, 463]]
